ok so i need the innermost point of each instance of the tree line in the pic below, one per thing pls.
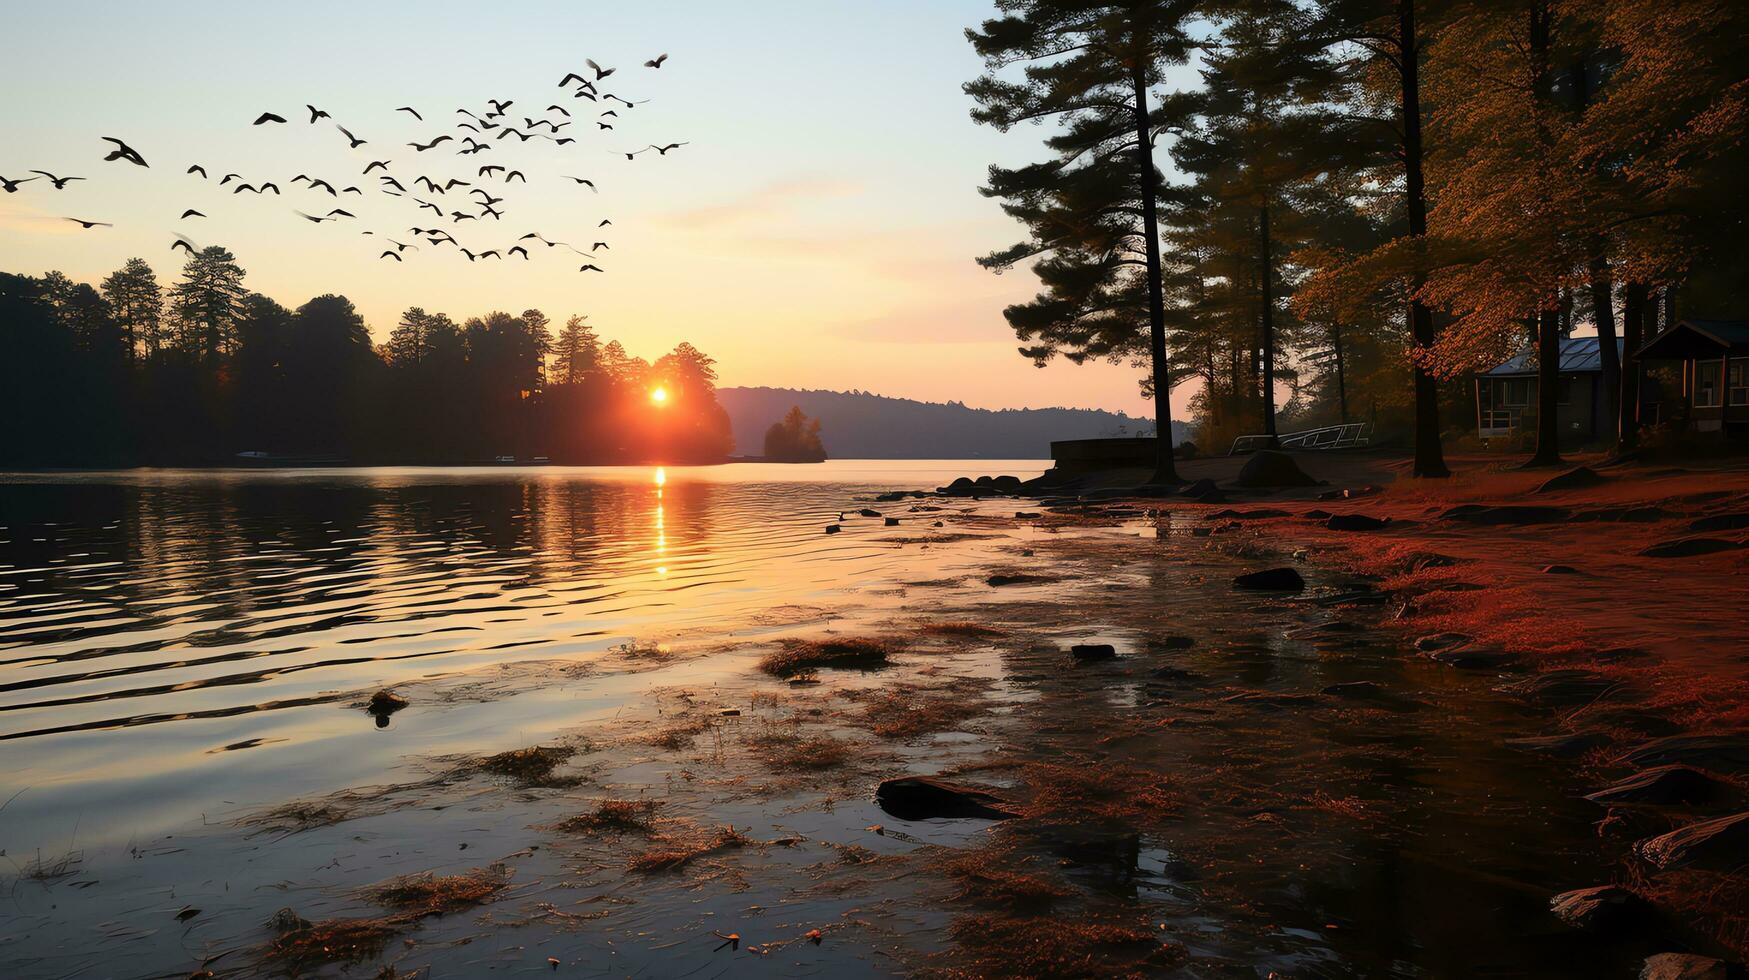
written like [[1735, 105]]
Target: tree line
[[130, 372], [1368, 198]]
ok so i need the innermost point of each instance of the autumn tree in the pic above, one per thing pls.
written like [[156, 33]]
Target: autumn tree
[[1092, 211]]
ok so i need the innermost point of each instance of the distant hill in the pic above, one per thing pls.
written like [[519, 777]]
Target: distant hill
[[858, 425]]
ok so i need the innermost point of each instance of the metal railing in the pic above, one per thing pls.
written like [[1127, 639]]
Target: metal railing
[[1345, 436]]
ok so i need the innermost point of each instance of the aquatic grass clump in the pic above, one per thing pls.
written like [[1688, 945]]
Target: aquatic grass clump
[[1104, 790], [789, 749], [986, 879], [615, 816], [427, 894], [795, 657], [966, 629], [532, 766], [1053, 946], [675, 853], [301, 945], [909, 712]]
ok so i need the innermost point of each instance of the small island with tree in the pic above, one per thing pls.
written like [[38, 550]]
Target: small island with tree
[[795, 439]]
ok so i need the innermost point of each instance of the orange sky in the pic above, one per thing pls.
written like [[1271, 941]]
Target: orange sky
[[818, 231]]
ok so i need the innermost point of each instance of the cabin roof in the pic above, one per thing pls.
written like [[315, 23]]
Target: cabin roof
[[1699, 338], [1579, 355]]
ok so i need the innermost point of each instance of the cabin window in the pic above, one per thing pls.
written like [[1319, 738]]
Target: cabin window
[[1514, 392], [1706, 384], [1737, 383]]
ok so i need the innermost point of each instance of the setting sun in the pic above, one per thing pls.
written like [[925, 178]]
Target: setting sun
[[658, 396]]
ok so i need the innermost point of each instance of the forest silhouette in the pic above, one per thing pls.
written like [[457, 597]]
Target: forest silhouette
[[130, 372]]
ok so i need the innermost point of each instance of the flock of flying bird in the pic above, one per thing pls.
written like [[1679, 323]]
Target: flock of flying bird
[[487, 128]]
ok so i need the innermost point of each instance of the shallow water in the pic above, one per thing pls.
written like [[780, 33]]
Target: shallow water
[[183, 652]]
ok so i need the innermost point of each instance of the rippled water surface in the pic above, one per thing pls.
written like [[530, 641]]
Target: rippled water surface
[[154, 625]]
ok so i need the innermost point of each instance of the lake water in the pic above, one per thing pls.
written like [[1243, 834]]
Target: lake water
[[185, 656]]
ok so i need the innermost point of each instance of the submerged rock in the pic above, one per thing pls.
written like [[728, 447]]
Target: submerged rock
[[1663, 785], [1717, 843], [1271, 579], [869, 512], [1093, 651], [1272, 468], [833, 529], [1602, 908], [385, 702], [892, 522], [925, 797], [1691, 548]]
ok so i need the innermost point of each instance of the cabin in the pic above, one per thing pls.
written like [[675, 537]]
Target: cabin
[[1506, 402], [1714, 392]]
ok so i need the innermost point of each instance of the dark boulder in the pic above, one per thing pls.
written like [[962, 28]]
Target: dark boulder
[[1270, 468], [1271, 579], [892, 522], [1663, 786], [1355, 522], [1603, 908], [925, 797], [1015, 578], [1093, 651], [1718, 843], [384, 703], [833, 529], [869, 512], [962, 487], [1007, 484], [1578, 478], [1691, 548], [1026, 515], [1720, 522]]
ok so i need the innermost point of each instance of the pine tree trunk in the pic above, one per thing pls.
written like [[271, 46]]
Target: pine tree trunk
[[1341, 375], [1603, 315], [1633, 320], [1165, 470], [1429, 458], [1266, 295], [1548, 389]]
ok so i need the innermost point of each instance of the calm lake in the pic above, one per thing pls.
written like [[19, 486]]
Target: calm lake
[[185, 659]]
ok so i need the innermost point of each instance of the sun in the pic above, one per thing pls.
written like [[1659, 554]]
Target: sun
[[658, 396]]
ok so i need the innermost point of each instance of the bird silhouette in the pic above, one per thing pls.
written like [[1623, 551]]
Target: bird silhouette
[[91, 224], [486, 171], [415, 112], [316, 113], [351, 190], [433, 207], [268, 117], [602, 125], [604, 223], [488, 209], [11, 186], [191, 213], [589, 267], [600, 72], [486, 195], [391, 255], [226, 179], [197, 169], [375, 164], [663, 150], [123, 151], [352, 141], [656, 62], [514, 249], [339, 213], [311, 217], [315, 183], [59, 182], [581, 180], [491, 253], [561, 110], [422, 147], [268, 185], [517, 174], [563, 140], [598, 246], [183, 244], [399, 247], [392, 181], [241, 187], [499, 107]]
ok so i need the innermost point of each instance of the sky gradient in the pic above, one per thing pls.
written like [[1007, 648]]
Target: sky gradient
[[819, 231]]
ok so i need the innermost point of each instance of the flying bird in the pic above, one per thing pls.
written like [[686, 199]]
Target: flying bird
[[392, 181], [11, 186], [191, 213], [197, 169], [428, 204], [226, 179], [268, 117], [391, 255], [581, 180], [589, 267], [663, 150], [517, 174], [123, 151], [518, 248], [600, 72], [59, 182], [656, 62], [339, 213], [351, 190], [561, 110], [182, 243], [316, 113], [268, 185], [91, 224], [400, 247], [604, 223], [375, 164], [422, 147], [598, 246], [311, 217], [486, 171], [499, 107], [353, 142], [317, 182]]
